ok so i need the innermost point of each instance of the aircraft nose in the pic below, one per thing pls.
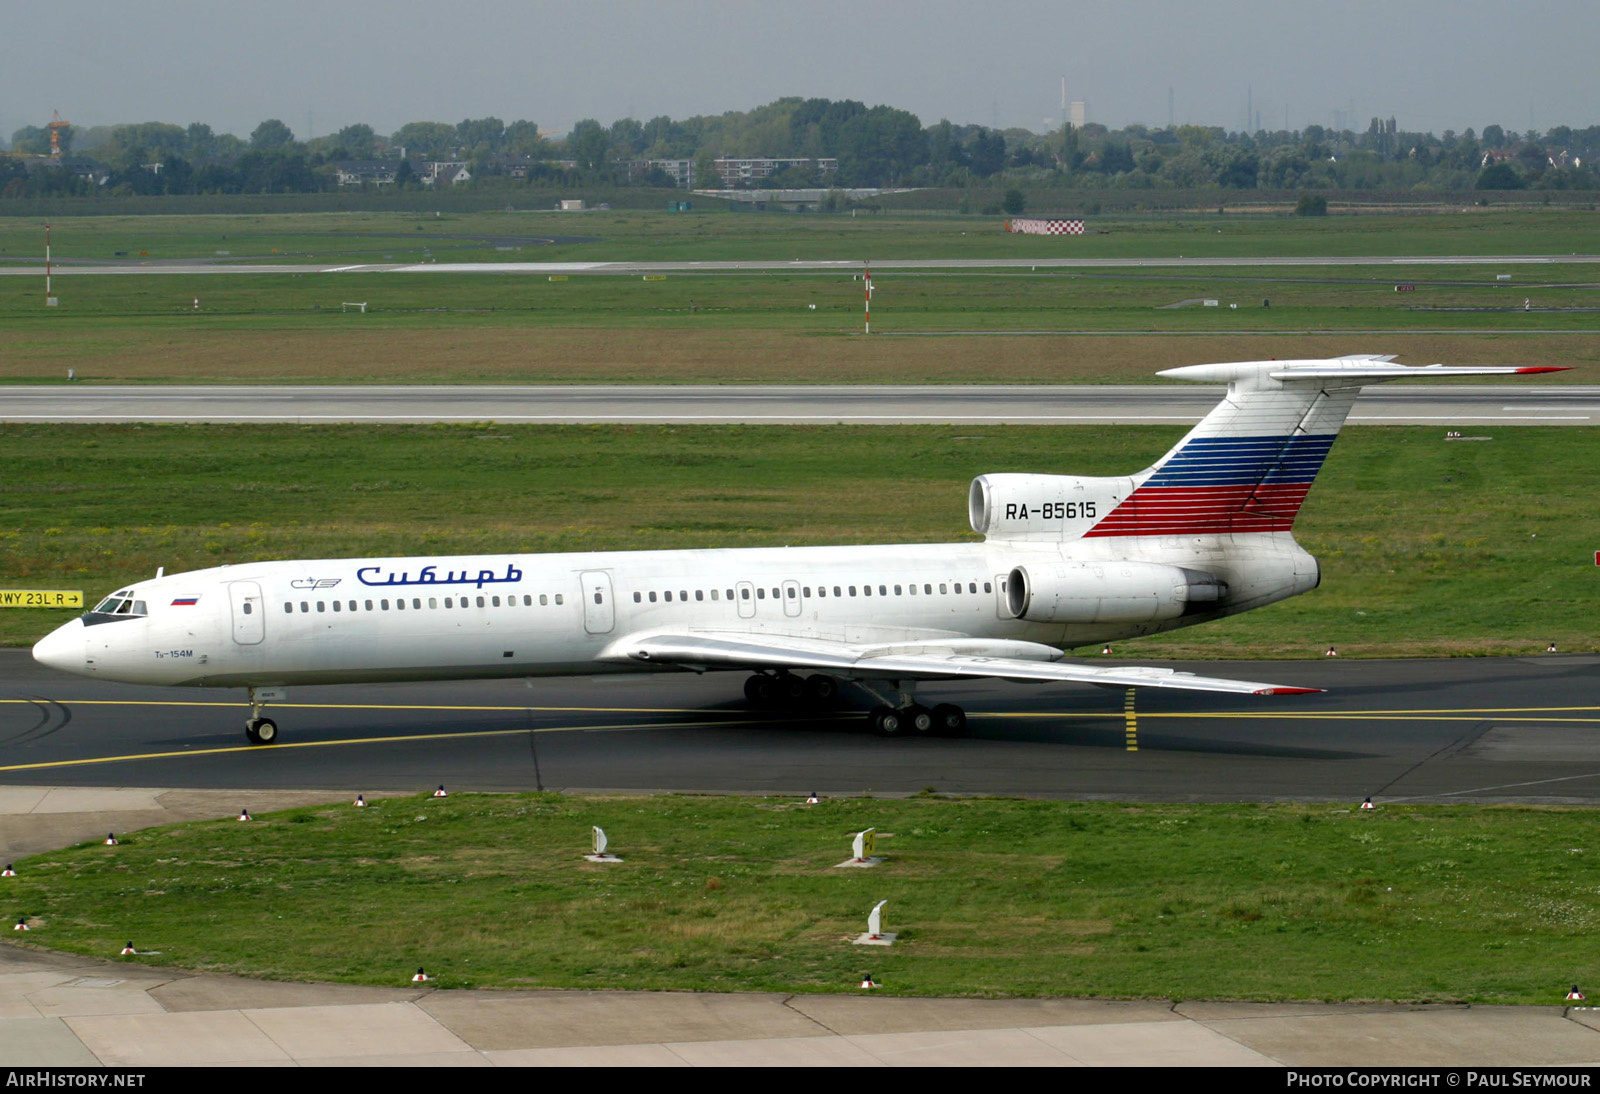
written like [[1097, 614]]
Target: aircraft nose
[[62, 648]]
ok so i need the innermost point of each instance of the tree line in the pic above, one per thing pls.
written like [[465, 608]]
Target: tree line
[[873, 146]]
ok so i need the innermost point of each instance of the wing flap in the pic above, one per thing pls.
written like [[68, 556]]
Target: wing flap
[[954, 660]]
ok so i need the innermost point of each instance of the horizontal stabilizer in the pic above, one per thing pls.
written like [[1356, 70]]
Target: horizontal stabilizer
[[1370, 373], [934, 660]]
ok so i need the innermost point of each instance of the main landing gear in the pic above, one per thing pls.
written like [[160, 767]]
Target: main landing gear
[[915, 720], [786, 691], [262, 731]]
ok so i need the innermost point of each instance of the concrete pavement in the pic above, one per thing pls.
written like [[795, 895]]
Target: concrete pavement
[[59, 1010]]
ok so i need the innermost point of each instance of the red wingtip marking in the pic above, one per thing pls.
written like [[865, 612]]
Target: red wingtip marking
[[1291, 691], [1545, 368]]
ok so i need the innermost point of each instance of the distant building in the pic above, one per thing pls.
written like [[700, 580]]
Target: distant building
[[364, 172], [742, 172], [1078, 113], [444, 173], [681, 172]]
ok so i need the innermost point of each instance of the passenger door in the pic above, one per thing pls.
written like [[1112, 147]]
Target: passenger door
[[249, 612], [599, 613]]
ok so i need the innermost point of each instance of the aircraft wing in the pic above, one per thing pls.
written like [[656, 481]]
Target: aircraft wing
[[952, 659]]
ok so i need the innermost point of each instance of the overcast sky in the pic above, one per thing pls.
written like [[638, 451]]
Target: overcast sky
[[319, 65]]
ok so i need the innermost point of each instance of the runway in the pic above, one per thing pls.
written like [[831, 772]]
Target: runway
[[1497, 730], [193, 267], [1458, 405]]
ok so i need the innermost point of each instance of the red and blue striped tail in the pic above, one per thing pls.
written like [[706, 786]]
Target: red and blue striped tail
[[1220, 485]]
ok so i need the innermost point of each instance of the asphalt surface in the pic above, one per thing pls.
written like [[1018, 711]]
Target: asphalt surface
[[1458, 405], [1521, 729]]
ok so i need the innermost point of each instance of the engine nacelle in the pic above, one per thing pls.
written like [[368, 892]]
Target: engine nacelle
[[1110, 592], [1045, 507]]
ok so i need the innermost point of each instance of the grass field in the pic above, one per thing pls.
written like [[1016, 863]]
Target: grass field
[[1075, 326], [662, 236], [1428, 546], [928, 327], [990, 897]]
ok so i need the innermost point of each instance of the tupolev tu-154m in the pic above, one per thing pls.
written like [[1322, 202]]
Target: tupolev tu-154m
[[1065, 560]]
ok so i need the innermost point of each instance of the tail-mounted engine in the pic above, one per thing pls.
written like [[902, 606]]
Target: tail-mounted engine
[[1041, 507], [1110, 592]]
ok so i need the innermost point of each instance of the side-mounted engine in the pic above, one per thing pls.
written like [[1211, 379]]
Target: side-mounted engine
[[1110, 592]]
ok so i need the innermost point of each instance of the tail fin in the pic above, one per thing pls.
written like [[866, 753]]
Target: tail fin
[[1249, 464]]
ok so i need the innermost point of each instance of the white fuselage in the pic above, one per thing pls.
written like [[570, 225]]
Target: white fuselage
[[354, 620]]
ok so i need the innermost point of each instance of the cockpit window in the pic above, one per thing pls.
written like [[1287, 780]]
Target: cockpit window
[[119, 605]]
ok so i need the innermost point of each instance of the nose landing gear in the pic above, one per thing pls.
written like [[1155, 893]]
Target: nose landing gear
[[259, 730]]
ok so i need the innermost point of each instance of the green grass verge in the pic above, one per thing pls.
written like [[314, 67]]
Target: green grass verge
[[1075, 327], [1428, 546], [625, 235], [991, 897]]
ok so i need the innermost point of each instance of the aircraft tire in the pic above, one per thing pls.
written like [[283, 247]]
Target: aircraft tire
[[887, 722], [250, 731], [919, 720], [266, 731], [949, 720], [791, 689], [821, 689], [764, 692]]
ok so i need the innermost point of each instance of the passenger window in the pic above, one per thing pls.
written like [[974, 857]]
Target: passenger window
[[288, 609], [416, 603], [384, 604], [369, 605], [852, 590], [986, 587], [400, 605], [497, 600], [336, 606], [652, 598], [699, 594], [544, 599], [560, 599], [836, 591], [866, 590], [761, 594], [927, 590], [449, 602], [597, 598], [304, 606], [321, 607], [791, 592], [667, 596], [247, 608], [637, 598], [745, 593], [730, 595], [713, 594], [683, 594]]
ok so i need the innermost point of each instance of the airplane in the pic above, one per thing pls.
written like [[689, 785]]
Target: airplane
[[1065, 560]]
